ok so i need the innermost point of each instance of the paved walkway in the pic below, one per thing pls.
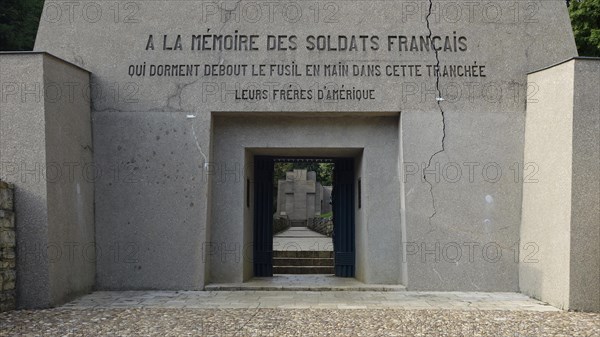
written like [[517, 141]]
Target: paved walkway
[[301, 239], [299, 313], [166, 322], [309, 300]]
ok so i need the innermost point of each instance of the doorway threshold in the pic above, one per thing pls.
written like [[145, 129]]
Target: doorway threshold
[[289, 282]]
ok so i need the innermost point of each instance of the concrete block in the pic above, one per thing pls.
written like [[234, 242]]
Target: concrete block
[[561, 208], [46, 148]]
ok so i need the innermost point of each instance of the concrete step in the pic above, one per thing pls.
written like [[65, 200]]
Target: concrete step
[[302, 270], [293, 261], [303, 282], [298, 223], [303, 254]]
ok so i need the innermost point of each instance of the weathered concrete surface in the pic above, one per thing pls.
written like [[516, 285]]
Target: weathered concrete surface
[[150, 202], [356, 296], [464, 242], [70, 200], [45, 151], [560, 229], [585, 190], [22, 140], [545, 228]]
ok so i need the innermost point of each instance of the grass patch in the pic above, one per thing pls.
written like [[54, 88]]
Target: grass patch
[[326, 215]]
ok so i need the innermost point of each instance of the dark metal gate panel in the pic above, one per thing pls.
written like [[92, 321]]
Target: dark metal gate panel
[[343, 217], [263, 216]]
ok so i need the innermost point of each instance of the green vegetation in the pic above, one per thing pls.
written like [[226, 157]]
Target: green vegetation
[[324, 171], [585, 18], [19, 20], [327, 215]]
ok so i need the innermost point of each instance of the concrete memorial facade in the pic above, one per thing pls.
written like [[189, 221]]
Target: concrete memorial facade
[[428, 99]]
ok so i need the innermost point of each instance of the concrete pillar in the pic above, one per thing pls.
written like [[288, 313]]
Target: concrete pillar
[[46, 152], [560, 229]]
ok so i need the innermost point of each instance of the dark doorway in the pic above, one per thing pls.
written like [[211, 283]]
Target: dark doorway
[[343, 214]]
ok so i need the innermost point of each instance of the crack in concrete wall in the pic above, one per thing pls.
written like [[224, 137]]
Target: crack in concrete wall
[[439, 99], [174, 102]]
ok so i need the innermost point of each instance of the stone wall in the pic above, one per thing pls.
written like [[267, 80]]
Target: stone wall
[[280, 224], [7, 249], [321, 225]]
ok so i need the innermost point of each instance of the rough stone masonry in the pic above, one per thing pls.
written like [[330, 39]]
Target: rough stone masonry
[[7, 248]]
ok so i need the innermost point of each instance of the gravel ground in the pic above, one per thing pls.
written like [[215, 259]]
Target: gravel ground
[[294, 322]]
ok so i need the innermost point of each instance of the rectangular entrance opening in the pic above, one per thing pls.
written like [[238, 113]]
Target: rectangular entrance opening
[[372, 143], [304, 216]]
